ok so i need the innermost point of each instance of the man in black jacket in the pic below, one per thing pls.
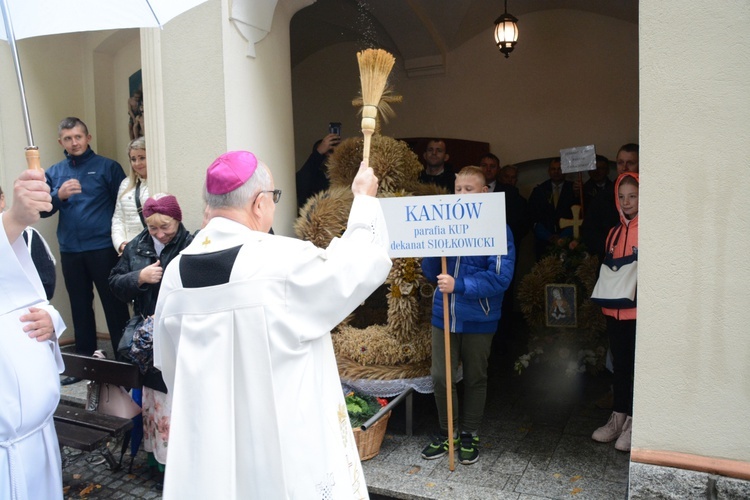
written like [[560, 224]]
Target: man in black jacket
[[549, 202], [436, 170], [516, 207]]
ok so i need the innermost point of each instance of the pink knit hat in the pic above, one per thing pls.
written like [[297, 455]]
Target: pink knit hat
[[229, 171], [164, 204]]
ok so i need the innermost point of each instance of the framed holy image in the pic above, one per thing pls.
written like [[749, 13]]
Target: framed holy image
[[560, 305]]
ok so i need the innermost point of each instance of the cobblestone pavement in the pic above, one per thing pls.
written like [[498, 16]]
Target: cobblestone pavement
[[87, 475]]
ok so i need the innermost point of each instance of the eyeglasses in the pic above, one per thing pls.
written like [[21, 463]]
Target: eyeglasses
[[276, 194]]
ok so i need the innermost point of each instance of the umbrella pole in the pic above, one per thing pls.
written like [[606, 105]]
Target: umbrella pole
[[32, 152]]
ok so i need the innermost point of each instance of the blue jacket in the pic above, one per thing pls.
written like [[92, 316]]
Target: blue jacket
[[477, 297], [85, 219]]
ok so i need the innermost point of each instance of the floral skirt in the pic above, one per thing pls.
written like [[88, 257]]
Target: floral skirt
[[156, 411]]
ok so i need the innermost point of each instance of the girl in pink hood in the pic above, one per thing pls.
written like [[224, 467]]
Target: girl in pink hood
[[622, 241]]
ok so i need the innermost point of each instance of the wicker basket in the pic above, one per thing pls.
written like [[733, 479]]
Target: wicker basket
[[369, 441]]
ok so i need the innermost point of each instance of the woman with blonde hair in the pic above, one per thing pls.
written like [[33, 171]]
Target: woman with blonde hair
[[137, 277], [127, 221]]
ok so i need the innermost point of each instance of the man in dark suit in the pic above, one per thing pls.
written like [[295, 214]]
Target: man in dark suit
[[598, 183], [517, 218], [549, 202], [516, 207]]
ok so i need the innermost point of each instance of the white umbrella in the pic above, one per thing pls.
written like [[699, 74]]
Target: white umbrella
[[30, 18]]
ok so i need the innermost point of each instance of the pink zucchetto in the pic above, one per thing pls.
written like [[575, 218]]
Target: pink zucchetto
[[229, 171], [165, 204]]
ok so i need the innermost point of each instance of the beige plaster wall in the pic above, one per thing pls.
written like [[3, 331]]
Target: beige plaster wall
[[217, 99], [572, 80], [82, 75], [52, 68], [121, 51], [193, 114], [259, 108], [692, 390]]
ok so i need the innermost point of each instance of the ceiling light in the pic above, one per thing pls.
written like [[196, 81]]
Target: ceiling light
[[506, 32]]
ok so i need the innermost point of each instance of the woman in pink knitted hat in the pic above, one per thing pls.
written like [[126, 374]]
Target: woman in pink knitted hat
[[137, 278]]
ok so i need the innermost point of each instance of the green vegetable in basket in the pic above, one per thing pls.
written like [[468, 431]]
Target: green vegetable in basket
[[362, 407]]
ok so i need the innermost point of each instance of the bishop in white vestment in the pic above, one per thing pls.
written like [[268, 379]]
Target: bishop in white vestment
[[30, 467], [243, 340]]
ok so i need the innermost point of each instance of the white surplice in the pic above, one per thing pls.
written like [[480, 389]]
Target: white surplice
[[258, 410], [30, 465]]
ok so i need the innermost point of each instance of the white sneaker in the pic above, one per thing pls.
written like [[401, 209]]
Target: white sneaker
[[623, 442], [611, 430]]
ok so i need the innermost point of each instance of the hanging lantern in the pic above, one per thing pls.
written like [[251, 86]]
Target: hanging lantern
[[506, 32]]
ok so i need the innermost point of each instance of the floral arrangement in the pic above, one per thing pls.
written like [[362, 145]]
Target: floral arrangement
[[574, 350], [362, 407]]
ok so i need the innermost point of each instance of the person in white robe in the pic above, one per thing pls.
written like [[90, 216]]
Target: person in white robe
[[242, 337], [30, 359]]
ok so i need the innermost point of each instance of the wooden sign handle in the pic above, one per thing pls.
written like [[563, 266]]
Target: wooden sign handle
[[448, 377]]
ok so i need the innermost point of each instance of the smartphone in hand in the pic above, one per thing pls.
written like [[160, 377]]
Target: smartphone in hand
[[334, 128]]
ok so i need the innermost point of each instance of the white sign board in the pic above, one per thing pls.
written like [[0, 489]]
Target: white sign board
[[446, 225], [580, 159]]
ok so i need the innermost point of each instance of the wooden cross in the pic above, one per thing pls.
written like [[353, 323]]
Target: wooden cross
[[576, 221]]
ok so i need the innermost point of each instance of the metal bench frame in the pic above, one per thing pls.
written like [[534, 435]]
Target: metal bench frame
[[89, 430]]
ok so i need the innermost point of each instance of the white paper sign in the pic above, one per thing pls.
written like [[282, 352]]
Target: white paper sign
[[446, 225], [580, 159]]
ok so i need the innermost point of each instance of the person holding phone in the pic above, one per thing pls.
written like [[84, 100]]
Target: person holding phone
[[311, 178]]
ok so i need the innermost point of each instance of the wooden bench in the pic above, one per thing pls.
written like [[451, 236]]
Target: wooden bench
[[89, 430]]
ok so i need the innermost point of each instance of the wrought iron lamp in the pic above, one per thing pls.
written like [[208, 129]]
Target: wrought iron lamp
[[506, 32]]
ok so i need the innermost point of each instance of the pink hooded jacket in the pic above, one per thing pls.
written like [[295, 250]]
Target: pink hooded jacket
[[627, 244]]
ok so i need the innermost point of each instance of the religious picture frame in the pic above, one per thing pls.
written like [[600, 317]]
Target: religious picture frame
[[560, 305]]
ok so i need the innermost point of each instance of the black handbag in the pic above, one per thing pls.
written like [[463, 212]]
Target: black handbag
[[142, 350], [126, 341]]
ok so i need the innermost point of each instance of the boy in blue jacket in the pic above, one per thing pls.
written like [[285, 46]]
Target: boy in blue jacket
[[475, 286]]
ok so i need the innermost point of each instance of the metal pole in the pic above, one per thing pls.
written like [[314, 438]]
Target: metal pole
[[156, 18], [19, 76], [386, 409], [409, 413]]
